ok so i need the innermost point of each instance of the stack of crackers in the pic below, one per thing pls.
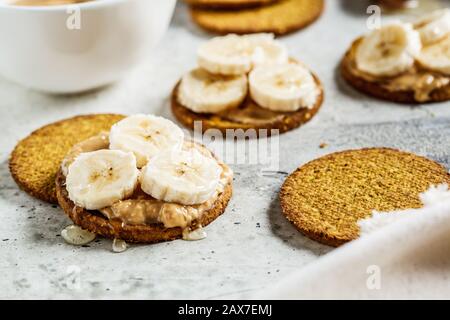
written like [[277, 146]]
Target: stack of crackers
[[252, 16]]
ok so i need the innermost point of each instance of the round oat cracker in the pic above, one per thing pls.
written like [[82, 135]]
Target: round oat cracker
[[280, 18], [326, 197], [36, 159]]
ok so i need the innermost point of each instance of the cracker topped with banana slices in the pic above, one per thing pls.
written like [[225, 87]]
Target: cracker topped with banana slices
[[246, 82], [403, 62], [142, 181]]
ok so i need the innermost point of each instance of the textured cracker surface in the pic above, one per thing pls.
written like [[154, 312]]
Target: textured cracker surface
[[376, 90], [326, 197], [280, 17], [36, 159]]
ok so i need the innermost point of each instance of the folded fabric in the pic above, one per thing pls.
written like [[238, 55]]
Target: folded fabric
[[400, 255]]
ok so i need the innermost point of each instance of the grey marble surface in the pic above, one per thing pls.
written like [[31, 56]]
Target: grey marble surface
[[251, 245]]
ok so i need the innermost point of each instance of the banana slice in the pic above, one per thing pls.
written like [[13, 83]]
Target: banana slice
[[186, 177], [436, 57], [145, 136], [388, 51], [203, 92], [98, 179], [434, 26], [237, 55], [286, 87]]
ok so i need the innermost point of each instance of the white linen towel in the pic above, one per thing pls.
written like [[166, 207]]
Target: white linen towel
[[400, 255]]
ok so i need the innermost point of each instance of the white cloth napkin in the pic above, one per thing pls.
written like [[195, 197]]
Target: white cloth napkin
[[400, 255]]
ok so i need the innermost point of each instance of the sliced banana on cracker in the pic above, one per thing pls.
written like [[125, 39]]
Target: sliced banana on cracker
[[434, 26], [388, 51], [98, 179], [203, 92], [246, 82], [403, 62], [186, 177], [237, 55], [145, 136], [179, 189], [436, 57], [283, 87]]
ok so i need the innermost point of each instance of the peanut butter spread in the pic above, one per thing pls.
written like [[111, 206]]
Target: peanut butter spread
[[250, 113], [417, 79], [141, 208]]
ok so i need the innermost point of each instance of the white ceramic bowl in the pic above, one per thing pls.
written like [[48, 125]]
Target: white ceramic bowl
[[42, 47]]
